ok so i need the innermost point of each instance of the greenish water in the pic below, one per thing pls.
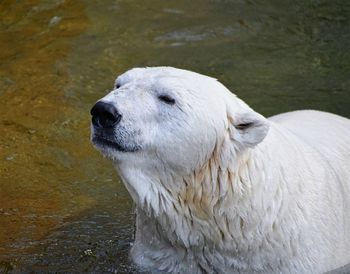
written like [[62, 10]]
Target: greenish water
[[62, 208]]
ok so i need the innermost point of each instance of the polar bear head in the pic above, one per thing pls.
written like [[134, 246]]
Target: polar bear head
[[161, 126], [171, 118]]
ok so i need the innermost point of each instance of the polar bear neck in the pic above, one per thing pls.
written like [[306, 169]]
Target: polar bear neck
[[212, 201], [217, 203]]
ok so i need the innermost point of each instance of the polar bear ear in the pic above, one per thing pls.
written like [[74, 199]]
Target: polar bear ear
[[248, 128]]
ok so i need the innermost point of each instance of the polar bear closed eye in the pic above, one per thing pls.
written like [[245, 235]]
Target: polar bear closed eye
[[219, 188]]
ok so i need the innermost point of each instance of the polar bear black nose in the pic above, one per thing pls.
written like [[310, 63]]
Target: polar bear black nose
[[104, 115]]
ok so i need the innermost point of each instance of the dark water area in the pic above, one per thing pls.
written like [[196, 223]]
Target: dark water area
[[62, 206]]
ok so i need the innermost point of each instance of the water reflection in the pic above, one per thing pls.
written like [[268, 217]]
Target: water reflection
[[61, 207]]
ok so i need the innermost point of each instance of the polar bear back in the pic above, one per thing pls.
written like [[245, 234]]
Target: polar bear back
[[325, 132]]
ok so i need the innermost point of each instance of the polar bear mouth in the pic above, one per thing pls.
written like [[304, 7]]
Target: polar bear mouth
[[100, 141], [103, 142]]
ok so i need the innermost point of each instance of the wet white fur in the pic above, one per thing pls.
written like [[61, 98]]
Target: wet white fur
[[216, 197]]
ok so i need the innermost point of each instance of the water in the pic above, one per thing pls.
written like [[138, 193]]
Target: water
[[62, 207]]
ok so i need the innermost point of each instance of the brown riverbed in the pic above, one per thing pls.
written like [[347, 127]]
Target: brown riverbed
[[40, 149]]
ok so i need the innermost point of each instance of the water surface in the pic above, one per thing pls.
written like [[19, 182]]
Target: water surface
[[62, 207]]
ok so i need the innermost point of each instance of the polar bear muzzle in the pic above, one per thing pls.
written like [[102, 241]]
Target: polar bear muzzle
[[105, 119]]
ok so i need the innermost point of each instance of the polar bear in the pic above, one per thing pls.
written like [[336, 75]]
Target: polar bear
[[219, 188]]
